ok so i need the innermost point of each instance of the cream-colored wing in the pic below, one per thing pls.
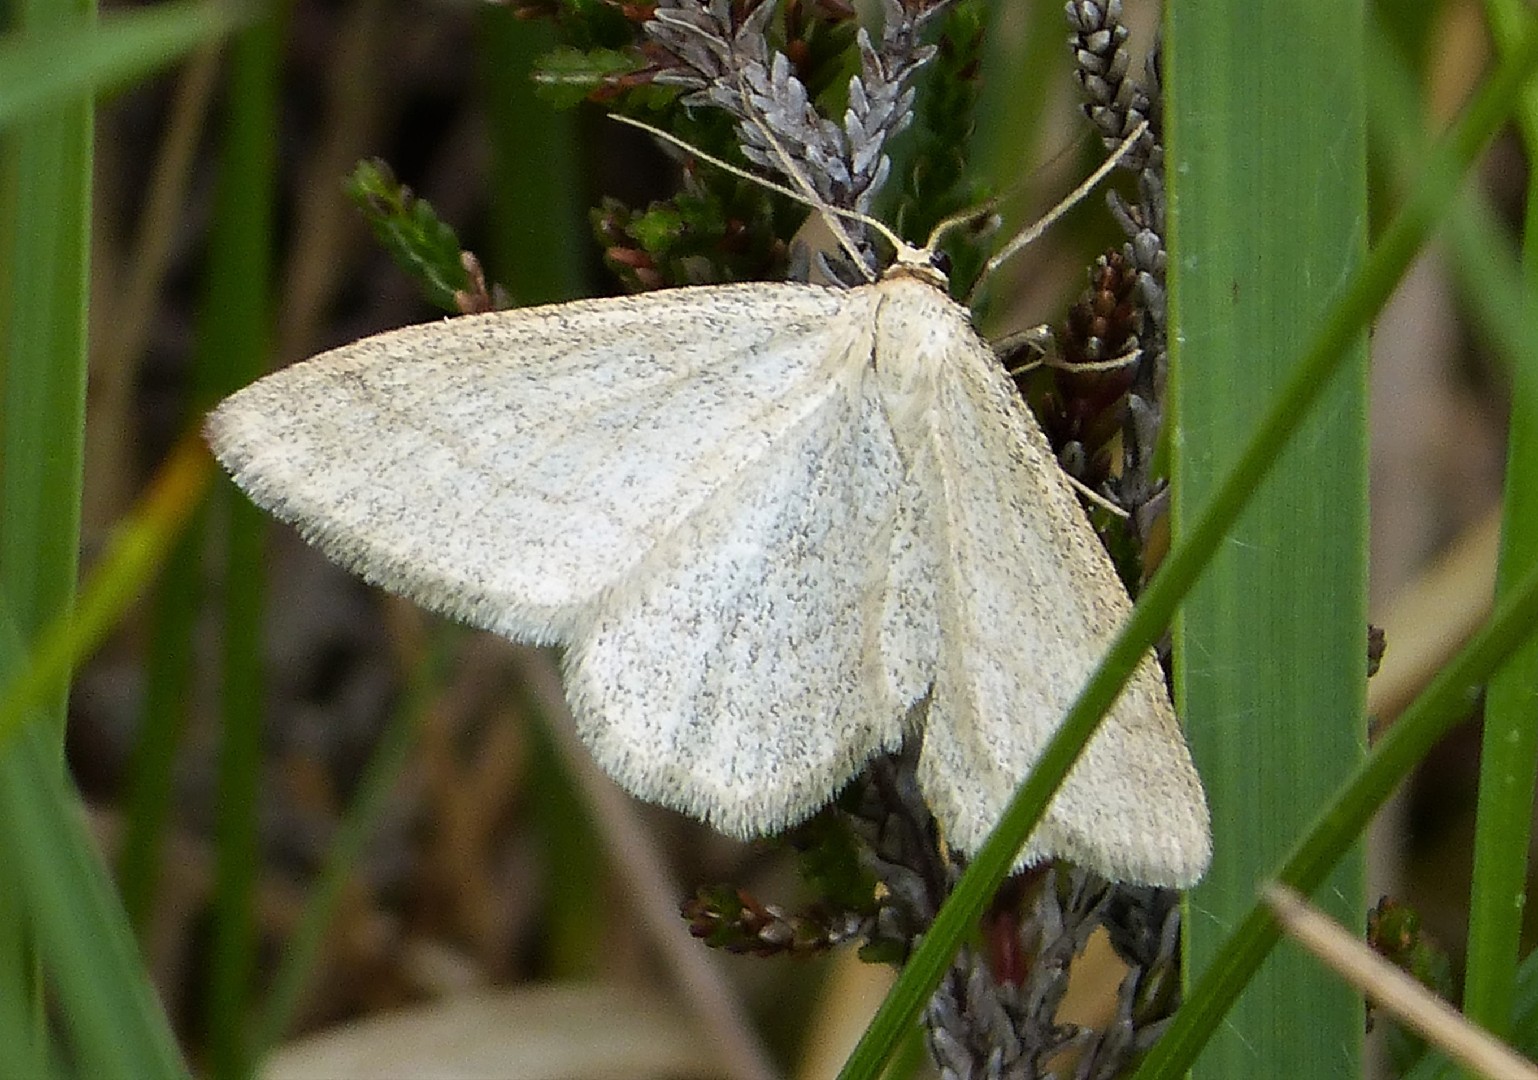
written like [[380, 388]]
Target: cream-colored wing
[[739, 673], [1027, 603], [508, 469]]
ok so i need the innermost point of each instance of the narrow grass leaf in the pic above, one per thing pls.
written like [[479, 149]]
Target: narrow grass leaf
[[86, 56], [234, 335], [1509, 750], [1448, 698]]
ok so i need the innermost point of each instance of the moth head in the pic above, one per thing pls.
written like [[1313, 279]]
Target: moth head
[[926, 264]]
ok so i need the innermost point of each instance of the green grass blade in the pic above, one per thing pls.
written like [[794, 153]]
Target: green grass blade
[[1509, 750], [234, 335], [46, 245], [83, 940], [45, 201], [1338, 332], [85, 56], [1266, 128]]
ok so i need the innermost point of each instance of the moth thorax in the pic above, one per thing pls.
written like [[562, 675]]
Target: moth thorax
[[906, 359]]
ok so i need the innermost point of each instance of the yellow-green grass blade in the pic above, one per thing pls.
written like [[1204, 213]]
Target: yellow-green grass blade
[[136, 548]]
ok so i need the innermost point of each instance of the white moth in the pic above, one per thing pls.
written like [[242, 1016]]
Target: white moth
[[766, 521]]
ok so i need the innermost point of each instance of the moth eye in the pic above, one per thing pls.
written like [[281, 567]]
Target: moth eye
[[941, 261]]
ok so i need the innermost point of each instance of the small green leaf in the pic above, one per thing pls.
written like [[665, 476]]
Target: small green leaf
[[566, 76], [411, 231], [660, 229], [830, 863]]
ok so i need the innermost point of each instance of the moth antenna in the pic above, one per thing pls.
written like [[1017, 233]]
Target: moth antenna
[[725, 166], [830, 214], [1095, 497], [1050, 218], [959, 218]]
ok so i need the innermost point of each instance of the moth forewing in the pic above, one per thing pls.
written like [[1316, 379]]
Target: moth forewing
[[738, 674], [1028, 601], [507, 469]]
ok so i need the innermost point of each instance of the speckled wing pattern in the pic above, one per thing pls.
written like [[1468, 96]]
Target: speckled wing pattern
[[766, 520], [509, 469], [745, 655], [1028, 602]]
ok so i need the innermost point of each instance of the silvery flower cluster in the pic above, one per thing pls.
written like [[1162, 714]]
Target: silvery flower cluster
[[727, 63], [980, 1028], [1116, 103], [984, 1024]]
